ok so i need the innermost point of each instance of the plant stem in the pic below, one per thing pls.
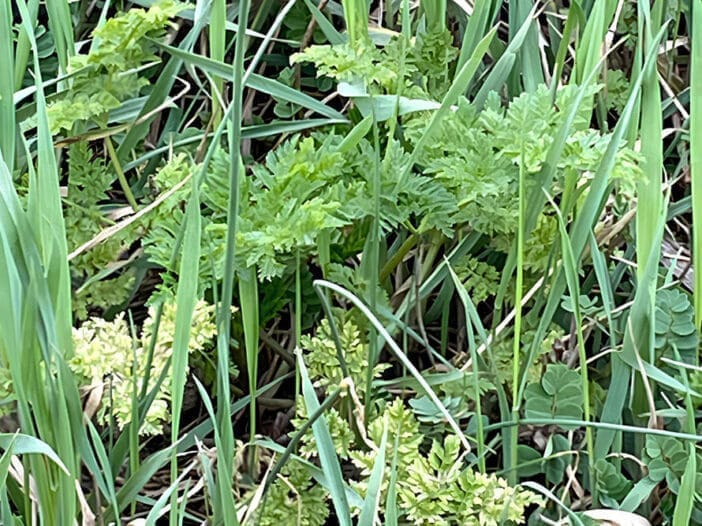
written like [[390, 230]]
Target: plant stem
[[120, 174]]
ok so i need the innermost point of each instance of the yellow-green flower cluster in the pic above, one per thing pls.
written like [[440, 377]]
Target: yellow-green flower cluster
[[107, 357]]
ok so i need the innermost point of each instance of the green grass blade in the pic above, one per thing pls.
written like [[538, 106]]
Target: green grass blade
[[592, 205], [224, 501], [435, 13], [503, 67], [687, 493], [265, 85], [330, 32], [7, 106], [528, 56], [468, 307], [186, 297], [217, 38], [649, 190], [235, 73], [248, 296], [589, 47], [391, 507], [399, 354], [371, 504], [164, 84], [135, 483], [696, 152], [325, 448], [570, 268], [61, 26]]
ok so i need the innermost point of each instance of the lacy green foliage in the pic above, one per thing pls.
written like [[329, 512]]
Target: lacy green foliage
[[479, 278], [557, 395], [537, 247], [477, 156], [306, 187], [345, 63], [437, 489], [418, 68], [433, 55], [88, 183], [295, 498], [342, 435], [323, 363], [107, 358], [675, 324], [162, 226], [403, 430], [612, 485], [617, 89], [105, 76]]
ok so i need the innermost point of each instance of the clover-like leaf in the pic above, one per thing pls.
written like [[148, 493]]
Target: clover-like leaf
[[665, 458], [557, 396], [675, 325], [611, 484]]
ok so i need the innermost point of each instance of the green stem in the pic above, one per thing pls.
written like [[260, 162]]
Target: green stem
[[516, 341], [120, 174], [298, 318], [398, 256]]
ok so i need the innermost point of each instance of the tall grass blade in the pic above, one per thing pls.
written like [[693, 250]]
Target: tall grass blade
[[325, 447], [7, 106], [687, 493], [248, 295], [371, 504], [224, 312], [330, 32], [186, 297], [217, 36], [592, 205], [468, 308], [265, 85], [399, 354], [224, 505], [476, 28], [570, 268], [529, 74], [589, 48], [696, 153], [61, 26], [503, 67]]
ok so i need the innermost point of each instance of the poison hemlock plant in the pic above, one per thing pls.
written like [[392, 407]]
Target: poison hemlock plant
[[323, 363], [107, 75], [434, 483], [108, 360], [436, 489], [295, 497], [89, 181]]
